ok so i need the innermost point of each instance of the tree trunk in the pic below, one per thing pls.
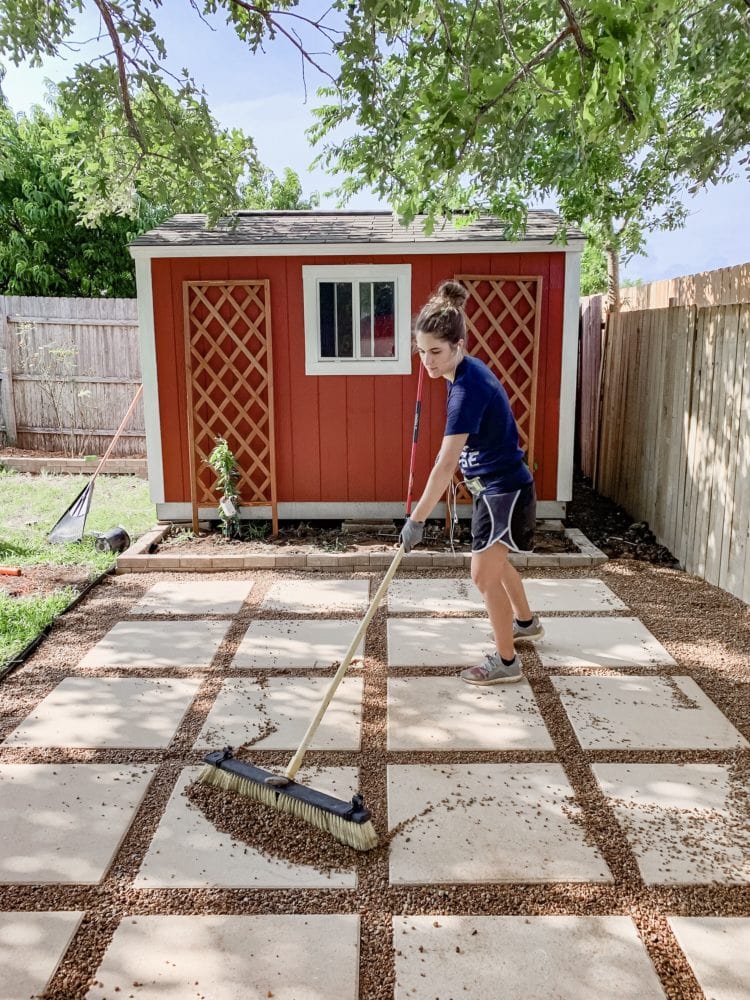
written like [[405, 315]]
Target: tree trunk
[[613, 278]]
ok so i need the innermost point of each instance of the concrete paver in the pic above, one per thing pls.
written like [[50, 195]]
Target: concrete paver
[[443, 713], [187, 851], [437, 642], [312, 596], [600, 642], [487, 823], [282, 708], [521, 958], [644, 713], [718, 950], [684, 822], [64, 822], [232, 957], [107, 712], [194, 597], [158, 644], [288, 643], [450, 594], [31, 946]]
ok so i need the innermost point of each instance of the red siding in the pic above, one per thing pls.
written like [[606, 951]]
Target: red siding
[[347, 438]]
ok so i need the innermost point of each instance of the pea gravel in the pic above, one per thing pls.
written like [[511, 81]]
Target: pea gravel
[[705, 630]]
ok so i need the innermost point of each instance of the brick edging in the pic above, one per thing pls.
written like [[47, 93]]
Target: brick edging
[[75, 466], [139, 559]]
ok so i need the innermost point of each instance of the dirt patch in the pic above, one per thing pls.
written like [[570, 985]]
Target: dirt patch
[[43, 579]]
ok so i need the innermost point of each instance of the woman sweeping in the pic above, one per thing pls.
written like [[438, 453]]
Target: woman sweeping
[[481, 436]]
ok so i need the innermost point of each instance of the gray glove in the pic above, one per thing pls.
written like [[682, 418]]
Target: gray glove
[[411, 534]]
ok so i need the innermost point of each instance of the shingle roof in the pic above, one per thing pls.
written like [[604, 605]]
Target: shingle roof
[[258, 228]]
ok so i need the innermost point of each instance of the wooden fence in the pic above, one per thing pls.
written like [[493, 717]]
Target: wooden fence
[[589, 372], [68, 371], [724, 287], [674, 436]]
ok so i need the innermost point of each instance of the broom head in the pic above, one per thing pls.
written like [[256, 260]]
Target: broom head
[[347, 822]]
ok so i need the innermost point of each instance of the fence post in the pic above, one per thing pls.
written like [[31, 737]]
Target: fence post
[[7, 406]]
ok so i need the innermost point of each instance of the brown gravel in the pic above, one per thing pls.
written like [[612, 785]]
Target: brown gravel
[[705, 630]]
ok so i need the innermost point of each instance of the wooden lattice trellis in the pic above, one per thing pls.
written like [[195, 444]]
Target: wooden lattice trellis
[[230, 388], [503, 318]]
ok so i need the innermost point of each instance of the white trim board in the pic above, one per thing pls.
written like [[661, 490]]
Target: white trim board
[[351, 249], [330, 511], [568, 377], [147, 343]]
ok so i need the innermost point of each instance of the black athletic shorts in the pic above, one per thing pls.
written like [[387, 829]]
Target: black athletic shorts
[[508, 518]]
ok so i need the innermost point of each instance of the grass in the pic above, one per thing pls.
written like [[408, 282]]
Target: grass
[[23, 618], [31, 505]]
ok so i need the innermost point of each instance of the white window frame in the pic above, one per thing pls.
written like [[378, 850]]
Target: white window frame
[[400, 275]]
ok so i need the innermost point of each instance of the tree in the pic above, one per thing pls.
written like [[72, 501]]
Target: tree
[[45, 248], [593, 266]]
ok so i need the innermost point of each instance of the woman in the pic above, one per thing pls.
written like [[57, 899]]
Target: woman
[[481, 436]]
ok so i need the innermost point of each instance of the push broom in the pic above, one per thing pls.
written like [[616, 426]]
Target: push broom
[[348, 822]]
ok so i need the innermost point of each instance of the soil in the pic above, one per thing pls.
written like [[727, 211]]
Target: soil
[[9, 452], [43, 579]]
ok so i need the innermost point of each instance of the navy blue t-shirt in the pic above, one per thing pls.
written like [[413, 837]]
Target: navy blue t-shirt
[[478, 406]]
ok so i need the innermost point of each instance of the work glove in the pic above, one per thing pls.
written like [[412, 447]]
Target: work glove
[[411, 534]]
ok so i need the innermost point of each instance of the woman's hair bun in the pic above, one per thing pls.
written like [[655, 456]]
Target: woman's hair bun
[[454, 293]]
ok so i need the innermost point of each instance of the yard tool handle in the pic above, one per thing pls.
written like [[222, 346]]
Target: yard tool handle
[[118, 432], [296, 761], [415, 436]]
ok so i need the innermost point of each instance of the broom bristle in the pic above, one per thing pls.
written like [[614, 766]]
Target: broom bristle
[[360, 836]]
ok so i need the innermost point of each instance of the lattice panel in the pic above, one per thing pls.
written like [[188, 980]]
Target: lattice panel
[[230, 387], [503, 320]]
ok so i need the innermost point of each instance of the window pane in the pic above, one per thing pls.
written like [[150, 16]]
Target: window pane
[[365, 320], [344, 335], [327, 320], [385, 327]]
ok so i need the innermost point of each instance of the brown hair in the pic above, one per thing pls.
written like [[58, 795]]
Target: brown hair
[[442, 315]]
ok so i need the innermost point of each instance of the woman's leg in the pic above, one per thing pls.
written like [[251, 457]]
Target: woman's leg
[[513, 586], [488, 571]]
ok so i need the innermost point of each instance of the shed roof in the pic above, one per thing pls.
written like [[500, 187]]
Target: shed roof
[[316, 227]]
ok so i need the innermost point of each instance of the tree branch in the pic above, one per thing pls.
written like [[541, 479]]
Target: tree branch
[[127, 106], [576, 29], [540, 57], [268, 17]]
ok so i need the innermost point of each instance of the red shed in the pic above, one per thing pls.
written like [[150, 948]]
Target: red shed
[[289, 334]]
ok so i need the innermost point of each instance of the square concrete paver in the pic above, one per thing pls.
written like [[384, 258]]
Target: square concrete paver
[[437, 642], [686, 823], [271, 643], [64, 822], [232, 958], [487, 823], [644, 713], [187, 851], [158, 644], [599, 642], [107, 712], [283, 708], [316, 595], [194, 597], [440, 595], [443, 713], [718, 949], [521, 958], [31, 946]]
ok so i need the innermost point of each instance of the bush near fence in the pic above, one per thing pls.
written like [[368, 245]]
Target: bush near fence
[[69, 369]]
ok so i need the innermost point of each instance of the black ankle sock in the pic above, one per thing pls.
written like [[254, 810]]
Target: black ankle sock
[[526, 623], [507, 663]]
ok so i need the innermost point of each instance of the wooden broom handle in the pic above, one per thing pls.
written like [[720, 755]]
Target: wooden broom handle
[[118, 432], [296, 761]]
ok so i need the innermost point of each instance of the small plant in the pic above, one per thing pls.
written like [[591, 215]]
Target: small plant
[[224, 464]]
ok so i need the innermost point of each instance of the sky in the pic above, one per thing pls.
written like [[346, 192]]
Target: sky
[[265, 95]]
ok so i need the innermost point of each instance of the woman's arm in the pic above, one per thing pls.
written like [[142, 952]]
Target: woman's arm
[[440, 477]]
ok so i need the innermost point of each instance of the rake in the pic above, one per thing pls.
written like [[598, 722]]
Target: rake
[[348, 822]]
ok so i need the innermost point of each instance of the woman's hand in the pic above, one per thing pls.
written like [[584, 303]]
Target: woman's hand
[[411, 534]]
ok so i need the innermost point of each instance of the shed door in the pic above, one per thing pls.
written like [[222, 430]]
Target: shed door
[[230, 388]]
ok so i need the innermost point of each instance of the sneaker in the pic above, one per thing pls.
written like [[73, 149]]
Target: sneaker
[[531, 632], [492, 670]]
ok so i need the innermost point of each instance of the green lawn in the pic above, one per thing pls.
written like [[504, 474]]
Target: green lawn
[[29, 507]]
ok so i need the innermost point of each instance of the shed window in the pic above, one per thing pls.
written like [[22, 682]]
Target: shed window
[[357, 319]]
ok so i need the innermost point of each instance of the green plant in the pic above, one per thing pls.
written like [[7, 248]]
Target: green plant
[[256, 531], [22, 619], [224, 464]]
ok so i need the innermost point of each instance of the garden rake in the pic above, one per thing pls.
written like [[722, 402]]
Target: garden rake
[[70, 526], [348, 822]]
